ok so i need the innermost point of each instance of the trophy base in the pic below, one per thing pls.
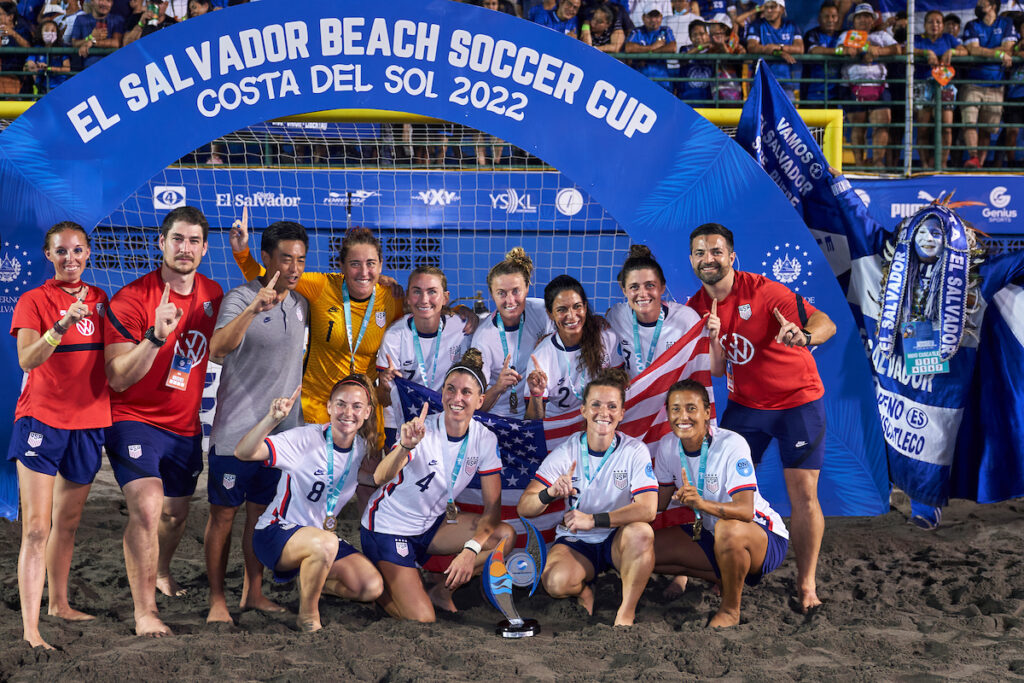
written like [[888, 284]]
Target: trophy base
[[507, 629]]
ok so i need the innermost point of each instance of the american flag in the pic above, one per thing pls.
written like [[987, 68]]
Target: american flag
[[525, 443]]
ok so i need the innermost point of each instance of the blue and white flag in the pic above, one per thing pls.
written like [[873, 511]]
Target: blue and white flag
[[920, 414]]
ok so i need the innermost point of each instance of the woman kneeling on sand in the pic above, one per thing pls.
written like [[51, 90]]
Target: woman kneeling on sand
[[737, 536]]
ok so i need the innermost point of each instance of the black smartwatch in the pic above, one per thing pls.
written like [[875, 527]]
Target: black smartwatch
[[807, 337], [150, 334]]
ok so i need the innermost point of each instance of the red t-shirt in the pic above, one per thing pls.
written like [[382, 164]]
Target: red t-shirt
[[69, 390], [150, 400], [765, 374]]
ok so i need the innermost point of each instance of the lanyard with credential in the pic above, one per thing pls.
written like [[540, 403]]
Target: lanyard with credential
[[585, 457], [427, 381], [702, 469], [348, 322], [513, 399], [333, 492], [638, 349]]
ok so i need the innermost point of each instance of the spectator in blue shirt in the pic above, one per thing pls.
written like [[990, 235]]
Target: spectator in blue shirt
[[51, 70], [96, 28], [992, 37], [933, 48], [653, 37], [772, 34], [534, 11], [562, 19], [1014, 115], [823, 39], [951, 25], [693, 91]]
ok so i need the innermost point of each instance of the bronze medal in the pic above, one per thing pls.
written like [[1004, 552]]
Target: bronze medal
[[513, 402], [697, 527], [330, 523], [451, 513]]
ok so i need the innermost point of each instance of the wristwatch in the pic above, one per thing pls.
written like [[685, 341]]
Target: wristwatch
[[150, 334], [807, 337]]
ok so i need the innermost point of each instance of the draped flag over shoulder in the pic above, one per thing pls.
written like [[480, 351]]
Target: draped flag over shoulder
[[525, 443], [920, 415]]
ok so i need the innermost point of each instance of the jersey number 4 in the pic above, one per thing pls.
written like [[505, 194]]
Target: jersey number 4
[[424, 483]]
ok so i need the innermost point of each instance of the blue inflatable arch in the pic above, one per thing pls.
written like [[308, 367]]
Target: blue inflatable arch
[[650, 160]]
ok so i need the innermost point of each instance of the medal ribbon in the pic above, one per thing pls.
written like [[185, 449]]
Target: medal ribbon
[[333, 492], [638, 348], [702, 468], [519, 342], [429, 383], [585, 457], [348, 322], [457, 468]]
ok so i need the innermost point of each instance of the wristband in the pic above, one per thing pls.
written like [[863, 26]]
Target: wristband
[[602, 520], [407, 449], [1000, 54], [150, 334], [90, 38], [776, 53], [474, 545], [546, 497], [50, 339], [585, 27], [839, 50], [59, 329]]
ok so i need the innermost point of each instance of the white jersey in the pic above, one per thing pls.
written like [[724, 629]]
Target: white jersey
[[302, 492], [729, 471], [627, 472], [447, 346], [679, 319], [566, 375], [487, 338], [410, 503]]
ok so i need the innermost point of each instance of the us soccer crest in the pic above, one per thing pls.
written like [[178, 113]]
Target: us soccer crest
[[471, 461], [208, 308], [711, 483], [134, 451], [402, 547], [99, 309], [35, 439], [744, 310], [229, 481], [381, 318], [621, 479]]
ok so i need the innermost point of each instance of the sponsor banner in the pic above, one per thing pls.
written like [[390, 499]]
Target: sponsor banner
[[993, 204]]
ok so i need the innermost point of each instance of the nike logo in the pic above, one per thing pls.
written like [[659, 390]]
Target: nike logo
[[799, 444]]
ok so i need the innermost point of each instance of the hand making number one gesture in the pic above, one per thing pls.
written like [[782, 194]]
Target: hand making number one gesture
[[712, 322], [239, 235], [536, 381], [166, 315], [687, 494], [789, 333], [77, 310], [414, 430], [266, 298], [281, 407]]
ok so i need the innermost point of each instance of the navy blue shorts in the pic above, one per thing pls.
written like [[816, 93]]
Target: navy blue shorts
[[268, 543], [137, 450], [800, 431], [75, 453], [232, 481], [774, 554], [405, 551], [599, 555]]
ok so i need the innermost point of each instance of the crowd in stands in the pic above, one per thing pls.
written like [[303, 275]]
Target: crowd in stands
[[854, 38]]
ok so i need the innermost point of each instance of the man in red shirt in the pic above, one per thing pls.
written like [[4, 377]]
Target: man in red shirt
[[157, 348], [774, 387]]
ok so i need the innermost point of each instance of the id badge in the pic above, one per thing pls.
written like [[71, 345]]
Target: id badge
[[730, 381], [177, 376], [921, 349]]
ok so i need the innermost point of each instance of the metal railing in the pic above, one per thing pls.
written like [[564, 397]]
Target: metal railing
[[731, 72]]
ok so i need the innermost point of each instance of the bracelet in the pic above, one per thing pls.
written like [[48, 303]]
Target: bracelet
[[602, 520], [59, 329], [50, 339], [474, 545], [546, 497], [402, 445]]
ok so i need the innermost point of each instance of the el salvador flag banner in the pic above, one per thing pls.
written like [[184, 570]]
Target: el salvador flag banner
[[525, 443], [920, 414]]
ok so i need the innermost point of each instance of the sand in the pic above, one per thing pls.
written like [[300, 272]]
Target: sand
[[900, 604]]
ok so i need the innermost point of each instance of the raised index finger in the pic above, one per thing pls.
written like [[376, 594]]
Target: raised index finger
[[424, 411], [508, 359], [686, 479], [536, 365], [572, 469], [295, 394], [167, 294], [245, 218], [273, 280], [714, 307], [778, 316]]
